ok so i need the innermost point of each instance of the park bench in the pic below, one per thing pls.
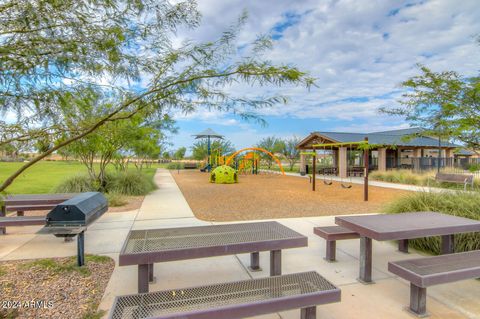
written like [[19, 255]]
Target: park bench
[[232, 300], [190, 165], [455, 178], [331, 234], [29, 202], [428, 271]]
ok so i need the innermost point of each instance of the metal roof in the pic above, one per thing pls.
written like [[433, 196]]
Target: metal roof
[[208, 133], [385, 139]]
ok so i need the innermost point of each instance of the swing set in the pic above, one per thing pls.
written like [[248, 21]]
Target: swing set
[[343, 183]]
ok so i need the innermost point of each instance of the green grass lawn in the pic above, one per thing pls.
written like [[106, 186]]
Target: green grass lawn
[[44, 176]]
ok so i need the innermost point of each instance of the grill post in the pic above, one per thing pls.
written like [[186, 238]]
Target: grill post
[[80, 249]]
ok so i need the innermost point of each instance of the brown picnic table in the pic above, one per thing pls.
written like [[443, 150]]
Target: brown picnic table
[[146, 247], [30, 202], [403, 227]]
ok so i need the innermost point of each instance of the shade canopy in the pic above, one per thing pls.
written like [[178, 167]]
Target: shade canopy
[[208, 133]]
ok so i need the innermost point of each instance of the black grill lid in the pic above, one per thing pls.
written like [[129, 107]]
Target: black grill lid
[[80, 210]]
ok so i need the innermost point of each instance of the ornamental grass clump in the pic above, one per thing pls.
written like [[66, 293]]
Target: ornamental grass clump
[[462, 204]]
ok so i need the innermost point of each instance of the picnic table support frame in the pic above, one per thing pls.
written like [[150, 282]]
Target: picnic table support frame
[[330, 254], [365, 275], [275, 262], [403, 245], [143, 276], [308, 313], [418, 300], [151, 277], [448, 244], [255, 262]]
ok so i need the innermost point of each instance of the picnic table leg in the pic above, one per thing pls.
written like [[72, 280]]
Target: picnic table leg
[[331, 250], [403, 245], [255, 261], [143, 277], [275, 262], [448, 244], [20, 213], [151, 277], [308, 313], [365, 275], [418, 300]]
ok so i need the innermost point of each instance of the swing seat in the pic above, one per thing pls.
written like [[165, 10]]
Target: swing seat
[[328, 183], [346, 186]]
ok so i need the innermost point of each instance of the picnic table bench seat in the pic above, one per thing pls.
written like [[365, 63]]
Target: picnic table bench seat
[[429, 271], [465, 179], [22, 221], [331, 234], [232, 300]]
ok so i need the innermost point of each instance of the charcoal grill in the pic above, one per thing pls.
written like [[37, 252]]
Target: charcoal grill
[[72, 217]]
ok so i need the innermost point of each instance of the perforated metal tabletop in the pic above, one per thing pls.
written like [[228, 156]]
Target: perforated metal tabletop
[[230, 300], [157, 245]]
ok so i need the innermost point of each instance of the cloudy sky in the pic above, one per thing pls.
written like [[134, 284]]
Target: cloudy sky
[[359, 51]]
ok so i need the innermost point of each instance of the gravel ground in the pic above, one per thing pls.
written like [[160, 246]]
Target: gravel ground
[[53, 288], [274, 196]]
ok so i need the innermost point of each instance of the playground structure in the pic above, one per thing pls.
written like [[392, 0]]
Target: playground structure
[[224, 175], [208, 134], [364, 145], [253, 158]]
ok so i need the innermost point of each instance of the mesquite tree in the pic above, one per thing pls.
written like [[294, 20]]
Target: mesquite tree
[[58, 56]]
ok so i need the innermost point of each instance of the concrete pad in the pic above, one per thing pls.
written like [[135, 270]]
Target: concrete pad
[[11, 242], [111, 225], [117, 217], [44, 246]]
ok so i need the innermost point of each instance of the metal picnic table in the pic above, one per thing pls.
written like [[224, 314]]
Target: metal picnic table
[[146, 247], [30, 202], [402, 227]]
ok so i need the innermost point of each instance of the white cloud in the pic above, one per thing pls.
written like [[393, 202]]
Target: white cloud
[[358, 50]]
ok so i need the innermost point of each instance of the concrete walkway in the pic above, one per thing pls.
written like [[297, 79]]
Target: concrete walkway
[[167, 207]]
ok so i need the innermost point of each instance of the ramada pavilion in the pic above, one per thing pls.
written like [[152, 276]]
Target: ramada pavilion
[[390, 149]]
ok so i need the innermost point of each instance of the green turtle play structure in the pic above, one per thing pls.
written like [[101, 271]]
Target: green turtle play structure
[[224, 175]]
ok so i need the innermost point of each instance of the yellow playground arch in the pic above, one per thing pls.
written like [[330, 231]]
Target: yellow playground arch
[[256, 149]]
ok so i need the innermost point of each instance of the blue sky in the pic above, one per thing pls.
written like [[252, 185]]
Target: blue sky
[[359, 51]]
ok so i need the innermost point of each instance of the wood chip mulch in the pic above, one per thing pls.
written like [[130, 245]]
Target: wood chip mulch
[[273, 196], [53, 287]]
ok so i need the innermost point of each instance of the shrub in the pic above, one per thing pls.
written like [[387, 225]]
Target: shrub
[[115, 200], [463, 204], [132, 183], [76, 184]]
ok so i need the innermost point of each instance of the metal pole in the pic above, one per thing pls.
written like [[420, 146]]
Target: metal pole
[[365, 177], [208, 153], [80, 249]]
